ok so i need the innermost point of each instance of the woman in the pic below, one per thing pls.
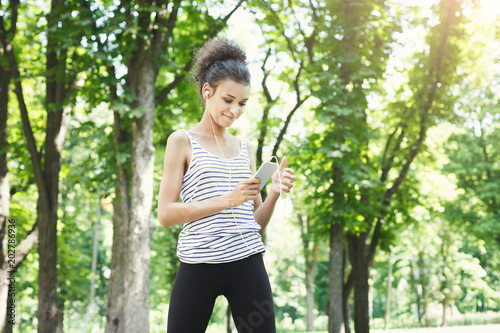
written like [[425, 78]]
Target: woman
[[220, 247]]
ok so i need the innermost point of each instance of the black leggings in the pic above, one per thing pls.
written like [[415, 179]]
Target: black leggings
[[244, 283]]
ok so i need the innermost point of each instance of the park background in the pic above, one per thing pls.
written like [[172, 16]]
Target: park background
[[387, 110]]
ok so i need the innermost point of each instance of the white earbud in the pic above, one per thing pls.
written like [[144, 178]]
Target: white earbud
[[207, 93]]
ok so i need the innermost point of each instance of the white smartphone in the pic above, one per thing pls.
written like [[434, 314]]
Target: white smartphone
[[265, 172]]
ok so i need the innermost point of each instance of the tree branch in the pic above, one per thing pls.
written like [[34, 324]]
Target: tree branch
[[267, 108], [30, 139], [30, 241], [435, 72], [298, 104], [375, 238], [403, 125], [282, 31], [14, 6], [160, 36], [267, 93], [162, 95]]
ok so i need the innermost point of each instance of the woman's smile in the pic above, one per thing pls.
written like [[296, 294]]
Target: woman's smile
[[229, 116]]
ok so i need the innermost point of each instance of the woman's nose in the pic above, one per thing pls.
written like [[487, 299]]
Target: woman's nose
[[234, 109]]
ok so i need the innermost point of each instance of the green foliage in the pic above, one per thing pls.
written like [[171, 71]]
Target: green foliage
[[473, 150], [362, 119]]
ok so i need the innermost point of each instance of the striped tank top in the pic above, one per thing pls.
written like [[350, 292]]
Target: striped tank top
[[226, 236]]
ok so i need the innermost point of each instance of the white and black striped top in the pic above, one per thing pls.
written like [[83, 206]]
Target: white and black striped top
[[226, 236]]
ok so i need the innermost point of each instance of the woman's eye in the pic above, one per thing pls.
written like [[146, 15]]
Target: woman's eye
[[242, 104], [228, 101]]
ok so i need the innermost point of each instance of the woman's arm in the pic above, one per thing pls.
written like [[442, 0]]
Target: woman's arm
[[170, 210], [263, 211]]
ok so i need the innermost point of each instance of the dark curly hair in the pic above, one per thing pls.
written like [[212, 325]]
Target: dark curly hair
[[220, 59]]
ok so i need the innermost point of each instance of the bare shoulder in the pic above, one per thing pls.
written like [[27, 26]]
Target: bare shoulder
[[178, 142], [178, 138]]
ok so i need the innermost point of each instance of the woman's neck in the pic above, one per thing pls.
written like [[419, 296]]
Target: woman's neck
[[208, 125]]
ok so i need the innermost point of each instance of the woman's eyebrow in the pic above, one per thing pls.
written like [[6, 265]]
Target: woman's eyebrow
[[246, 99]]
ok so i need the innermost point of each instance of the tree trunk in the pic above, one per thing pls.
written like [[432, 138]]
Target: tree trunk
[[309, 250], [95, 249], [336, 278], [47, 274], [445, 318], [358, 257], [415, 274], [346, 290], [388, 295], [60, 319], [310, 274], [5, 326], [363, 255], [57, 123], [58, 87], [58, 117], [141, 80], [114, 311], [47, 179], [92, 307], [422, 282], [128, 299]]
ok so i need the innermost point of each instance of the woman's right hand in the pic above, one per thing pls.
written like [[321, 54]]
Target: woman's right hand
[[247, 189]]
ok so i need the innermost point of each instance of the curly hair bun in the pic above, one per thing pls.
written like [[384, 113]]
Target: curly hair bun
[[220, 59]]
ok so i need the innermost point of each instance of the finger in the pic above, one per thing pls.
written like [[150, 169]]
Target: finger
[[287, 185], [252, 191], [283, 163], [290, 171], [283, 188], [251, 181], [253, 196], [290, 177]]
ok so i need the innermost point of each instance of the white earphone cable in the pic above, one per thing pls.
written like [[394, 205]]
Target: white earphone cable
[[230, 174], [230, 180]]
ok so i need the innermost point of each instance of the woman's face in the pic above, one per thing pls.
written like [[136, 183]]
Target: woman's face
[[227, 102]]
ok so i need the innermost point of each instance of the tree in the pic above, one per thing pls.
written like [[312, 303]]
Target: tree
[[431, 83], [364, 185], [354, 50], [297, 79], [474, 157], [60, 85], [139, 37], [5, 195], [473, 153]]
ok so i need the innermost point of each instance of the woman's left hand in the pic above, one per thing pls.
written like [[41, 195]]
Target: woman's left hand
[[287, 178]]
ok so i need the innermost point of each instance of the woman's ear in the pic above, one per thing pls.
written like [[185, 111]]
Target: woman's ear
[[206, 91]]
